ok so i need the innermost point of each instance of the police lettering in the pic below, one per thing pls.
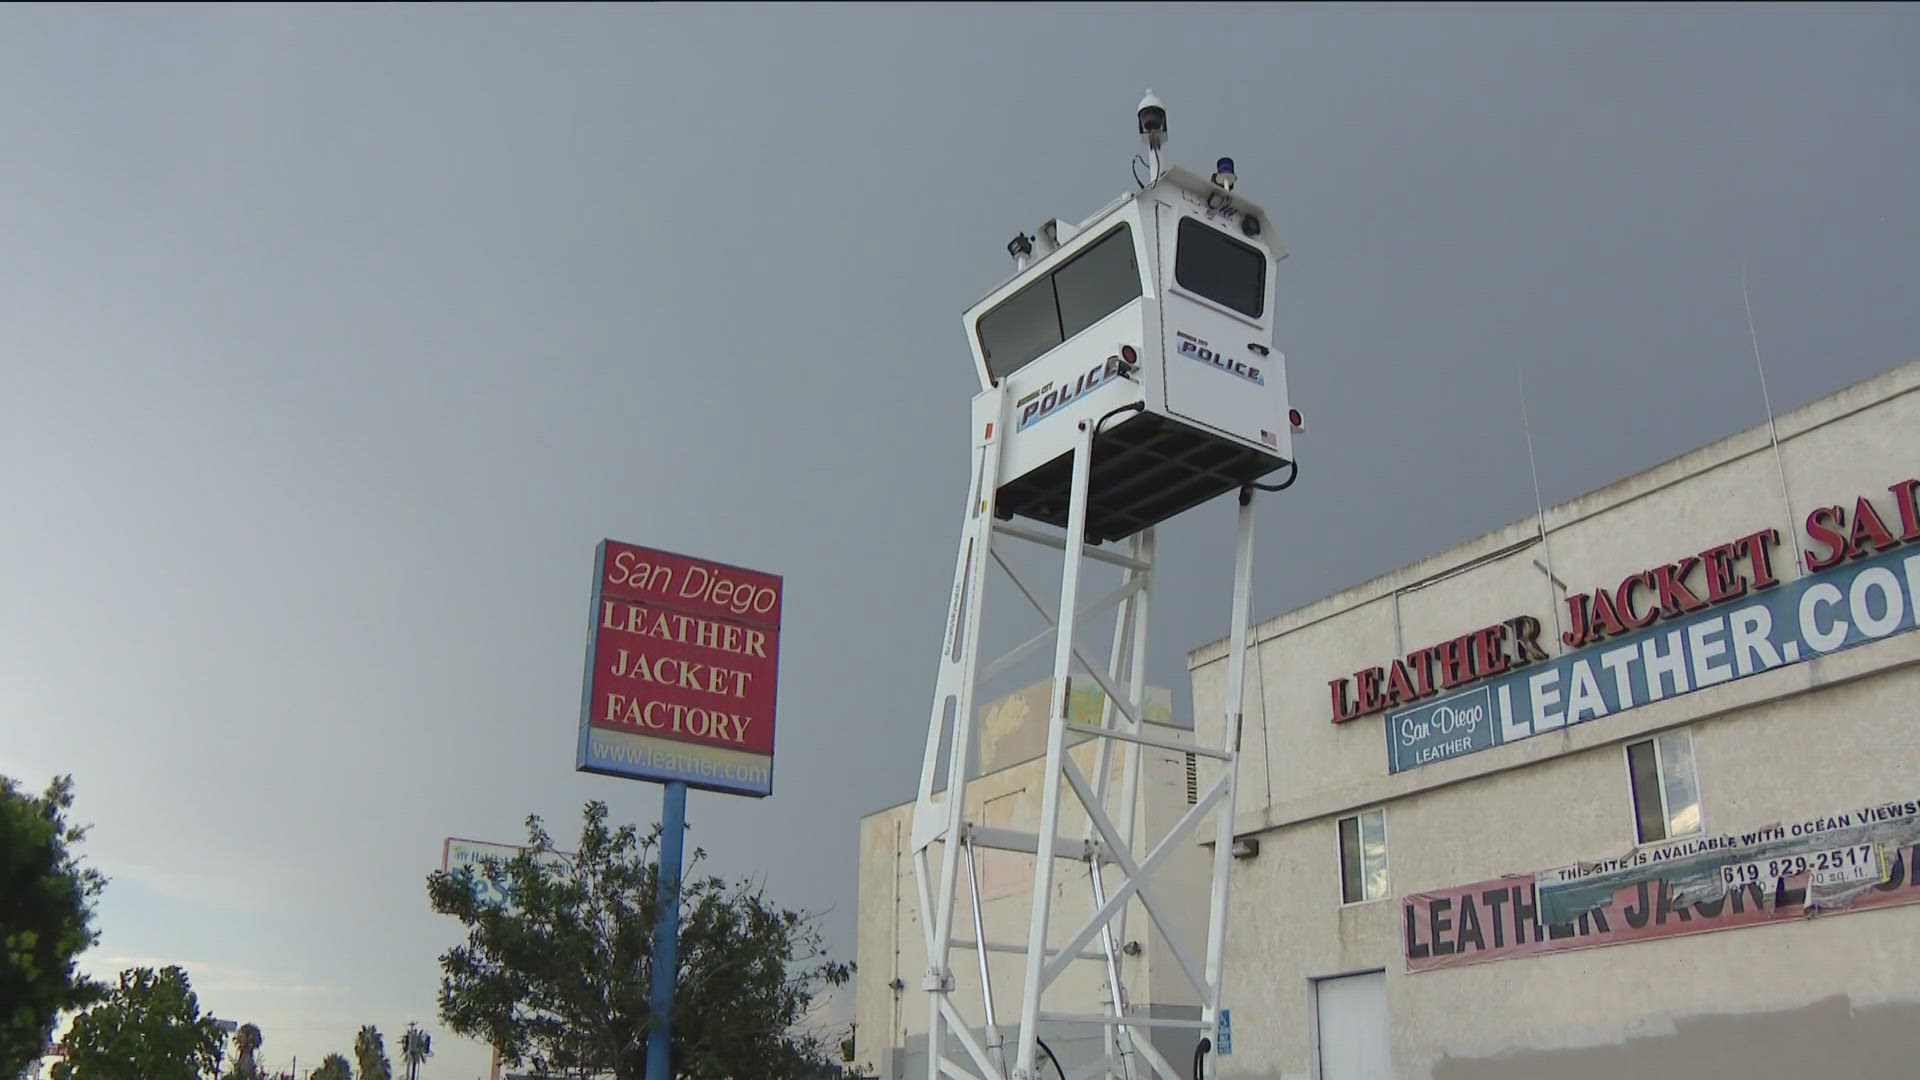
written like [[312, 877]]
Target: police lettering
[[1195, 350]]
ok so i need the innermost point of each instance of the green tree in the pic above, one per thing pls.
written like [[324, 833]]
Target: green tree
[[333, 1067], [46, 919], [370, 1053], [561, 979], [149, 1028]]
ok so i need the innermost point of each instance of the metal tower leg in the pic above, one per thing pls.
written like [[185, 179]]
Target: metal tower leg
[[994, 1041], [1056, 753], [1223, 822], [938, 815], [1120, 865], [1128, 658]]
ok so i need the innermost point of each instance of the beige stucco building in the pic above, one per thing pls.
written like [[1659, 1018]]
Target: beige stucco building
[[1518, 858]]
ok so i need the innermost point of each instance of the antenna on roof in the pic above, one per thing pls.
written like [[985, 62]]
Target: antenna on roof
[[1773, 429], [1539, 509]]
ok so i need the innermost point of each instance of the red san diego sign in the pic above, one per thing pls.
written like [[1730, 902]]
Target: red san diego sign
[[682, 670]]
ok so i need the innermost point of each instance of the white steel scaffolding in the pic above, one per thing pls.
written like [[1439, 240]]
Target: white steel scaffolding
[[1122, 866]]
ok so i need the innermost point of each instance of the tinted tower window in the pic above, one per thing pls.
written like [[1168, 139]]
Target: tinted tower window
[[1220, 268], [1098, 281]]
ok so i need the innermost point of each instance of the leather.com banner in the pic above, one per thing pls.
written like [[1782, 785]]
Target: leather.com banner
[[1500, 920]]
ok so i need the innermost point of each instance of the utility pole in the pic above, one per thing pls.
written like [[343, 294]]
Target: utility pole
[[415, 1046]]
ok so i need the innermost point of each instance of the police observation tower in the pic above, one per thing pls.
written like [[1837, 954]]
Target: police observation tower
[[1127, 375]]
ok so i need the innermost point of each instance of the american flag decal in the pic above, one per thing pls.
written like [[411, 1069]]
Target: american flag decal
[[1269, 437]]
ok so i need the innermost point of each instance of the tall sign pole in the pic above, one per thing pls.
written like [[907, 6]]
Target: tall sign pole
[[666, 934], [682, 664]]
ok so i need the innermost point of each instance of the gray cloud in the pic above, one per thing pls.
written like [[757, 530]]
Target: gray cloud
[[337, 337]]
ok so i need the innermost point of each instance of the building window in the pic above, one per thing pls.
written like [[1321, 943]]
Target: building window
[[1363, 857], [1666, 797]]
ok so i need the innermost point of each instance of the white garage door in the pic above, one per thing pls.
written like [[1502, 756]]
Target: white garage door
[[1353, 1027]]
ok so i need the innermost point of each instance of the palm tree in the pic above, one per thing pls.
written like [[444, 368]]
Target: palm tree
[[246, 1040], [334, 1067], [370, 1050]]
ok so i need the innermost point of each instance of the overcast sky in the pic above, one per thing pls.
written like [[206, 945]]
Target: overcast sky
[[334, 339]]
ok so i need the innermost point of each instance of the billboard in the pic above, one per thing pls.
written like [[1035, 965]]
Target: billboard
[[1854, 604], [456, 853], [1848, 860], [1502, 920], [683, 658]]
